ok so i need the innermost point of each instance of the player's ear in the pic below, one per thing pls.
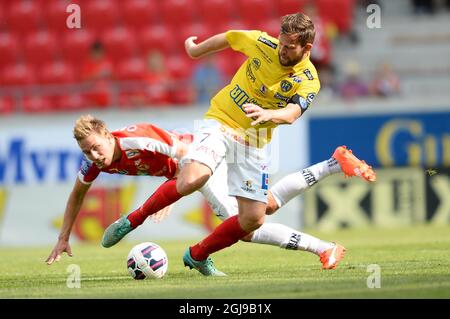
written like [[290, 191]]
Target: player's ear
[[308, 47]]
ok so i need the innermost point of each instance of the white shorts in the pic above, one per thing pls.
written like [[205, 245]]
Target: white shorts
[[247, 166]]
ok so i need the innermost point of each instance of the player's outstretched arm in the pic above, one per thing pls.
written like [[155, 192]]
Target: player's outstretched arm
[[286, 115], [215, 43], [72, 209]]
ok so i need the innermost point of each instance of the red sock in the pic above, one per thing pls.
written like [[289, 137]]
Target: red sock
[[226, 234], [165, 195]]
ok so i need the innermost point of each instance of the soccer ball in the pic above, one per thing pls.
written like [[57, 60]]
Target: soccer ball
[[147, 260]]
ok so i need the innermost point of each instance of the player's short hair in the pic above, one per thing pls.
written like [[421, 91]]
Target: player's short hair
[[301, 24], [86, 125]]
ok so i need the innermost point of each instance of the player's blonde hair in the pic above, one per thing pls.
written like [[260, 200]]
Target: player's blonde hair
[[301, 24], [86, 125]]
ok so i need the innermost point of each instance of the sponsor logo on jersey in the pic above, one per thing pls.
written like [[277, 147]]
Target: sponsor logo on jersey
[[85, 166], [296, 78], [250, 74], [310, 97], [240, 97], [282, 97], [115, 170], [248, 186], [265, 181], [263, 89], [264, 55], [132, 153], [286, 86], [308, 74], [256, 63], [267, 42]]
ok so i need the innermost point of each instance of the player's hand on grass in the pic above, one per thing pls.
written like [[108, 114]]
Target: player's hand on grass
[[61, 246], [190, 46], [257, 113]]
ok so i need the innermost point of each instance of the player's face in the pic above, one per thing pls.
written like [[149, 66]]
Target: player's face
[[290, 51], [99, 149]]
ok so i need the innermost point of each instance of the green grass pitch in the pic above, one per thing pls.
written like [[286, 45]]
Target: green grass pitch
[[414, 263]]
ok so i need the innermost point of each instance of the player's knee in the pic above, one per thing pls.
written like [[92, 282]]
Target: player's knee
[[251, 223], [190, 183], [272, 205], [248, 237]]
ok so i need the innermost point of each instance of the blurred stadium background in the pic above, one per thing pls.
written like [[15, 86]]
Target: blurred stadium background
[[385, 94]]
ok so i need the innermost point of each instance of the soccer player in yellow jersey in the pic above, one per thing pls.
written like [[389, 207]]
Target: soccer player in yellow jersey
[[275, 85]]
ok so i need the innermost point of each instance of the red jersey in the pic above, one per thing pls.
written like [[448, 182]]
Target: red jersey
[[146, 150]]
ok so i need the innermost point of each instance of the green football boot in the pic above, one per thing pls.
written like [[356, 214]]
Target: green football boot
[[116, 231], [205, 267]]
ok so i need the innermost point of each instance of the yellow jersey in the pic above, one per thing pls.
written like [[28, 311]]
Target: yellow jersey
[[263, 81]]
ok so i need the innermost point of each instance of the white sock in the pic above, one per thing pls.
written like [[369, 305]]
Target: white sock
[[294, 184], [288, 238]]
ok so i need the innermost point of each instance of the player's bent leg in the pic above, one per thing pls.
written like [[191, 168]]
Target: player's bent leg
[[331, 257], [205, 267], [353, 166], [192, 177], [272, 205], [116, 231]]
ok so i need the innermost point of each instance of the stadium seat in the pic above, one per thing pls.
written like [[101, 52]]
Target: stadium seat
[[180, 66], [18, 74], [284, 7], [196, 29], [132, 69], [70, 102], [56, 15], [255, 10], [272, 27], [36, 104], [23, 17], [119, 43], [6, 105], [340, 12], [57, 72], [178, 13], [9, 49], [139, 13], [76, 45], [100, 15], [40, 47], [213, 11], [157, 37]]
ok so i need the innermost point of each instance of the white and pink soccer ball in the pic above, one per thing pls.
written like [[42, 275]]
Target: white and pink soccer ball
[[147, 260]]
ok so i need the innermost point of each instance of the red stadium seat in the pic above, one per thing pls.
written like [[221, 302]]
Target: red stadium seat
[[253, 11], [36, 104], [132, 69], [6, 105], [18, 74], [119, 43], [272, 27], [100, 15], [56, 15], [178, 13], [156, 37], [57, 72], [9, 49], [23, 16], [40, 47], [339, 12], [76, 45], [180, 67], [195, 29], [213, 11], [289, 6], [70, 102], [139, 13]]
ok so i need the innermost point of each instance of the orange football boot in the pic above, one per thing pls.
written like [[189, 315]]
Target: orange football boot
[[353, 166], [331, 257]]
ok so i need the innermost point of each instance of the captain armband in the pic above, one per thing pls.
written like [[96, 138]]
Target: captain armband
[[302, 102]]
